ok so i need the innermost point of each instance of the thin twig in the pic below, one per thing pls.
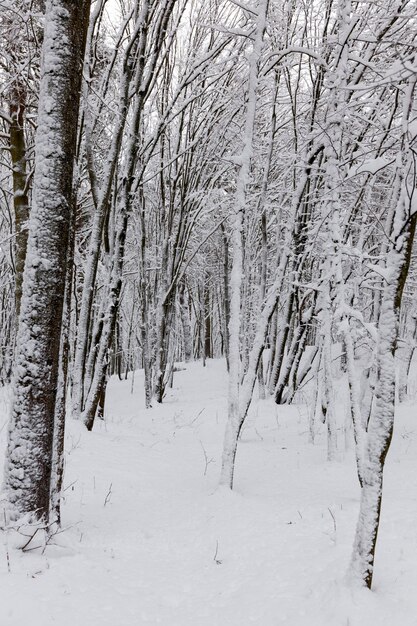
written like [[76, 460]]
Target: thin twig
[[215, 559], [206, 459], [108, 496], [7, 543], [333, 518], [197, 416]]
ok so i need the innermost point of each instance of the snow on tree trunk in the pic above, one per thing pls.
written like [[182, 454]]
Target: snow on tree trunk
[[186, 322], [18, 99], [235, 420], [328, 393], [31, 429], [57, 475], [381, 423], [379, 431], [226, 289], [102, 208], [98, 381], [20, 186], [332, 278], [144, 308]]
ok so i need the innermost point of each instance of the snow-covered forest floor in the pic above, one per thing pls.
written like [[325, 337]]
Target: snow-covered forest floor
[[150, 539]]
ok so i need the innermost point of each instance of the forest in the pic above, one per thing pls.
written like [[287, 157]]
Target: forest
[[207, 222]]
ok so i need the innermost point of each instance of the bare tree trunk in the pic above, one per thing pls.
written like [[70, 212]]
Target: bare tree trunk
[[208, 352], [226, 295], [164, 325], [379, 436], [381, 423], [57, 475], [281, 342], [103, 200], [144, 304], [235, 419], [20, 187], [291, 361], [31, 429], [17, 53], [98, 382], [186, 324]]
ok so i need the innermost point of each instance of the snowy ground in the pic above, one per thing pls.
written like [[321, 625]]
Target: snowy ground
[[150, 540]]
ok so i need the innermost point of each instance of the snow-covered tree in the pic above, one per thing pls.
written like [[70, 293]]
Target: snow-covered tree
[[36, 376]]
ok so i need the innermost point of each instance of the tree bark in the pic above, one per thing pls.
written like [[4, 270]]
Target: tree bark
[[235, 417], [20, 186], [31, 429], [380, 428]]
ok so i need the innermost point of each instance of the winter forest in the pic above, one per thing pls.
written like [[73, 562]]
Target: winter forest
[[208, 289]]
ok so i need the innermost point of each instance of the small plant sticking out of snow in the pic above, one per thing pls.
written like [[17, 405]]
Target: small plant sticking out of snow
[[215, 559], [27, 534]]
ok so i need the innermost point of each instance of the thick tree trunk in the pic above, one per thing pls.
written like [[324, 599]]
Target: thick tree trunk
[[31, 429]]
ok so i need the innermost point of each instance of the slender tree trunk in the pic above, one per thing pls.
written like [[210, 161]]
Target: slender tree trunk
[[281, 341], [57, 476], [20, 186], [18, 97], [164, 325], [299, 334], [208, 352], [379, 436], [235, 419], [226, 295], [381, 423], [103, 198], [144, 303], [109, 324], [186, 323]]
